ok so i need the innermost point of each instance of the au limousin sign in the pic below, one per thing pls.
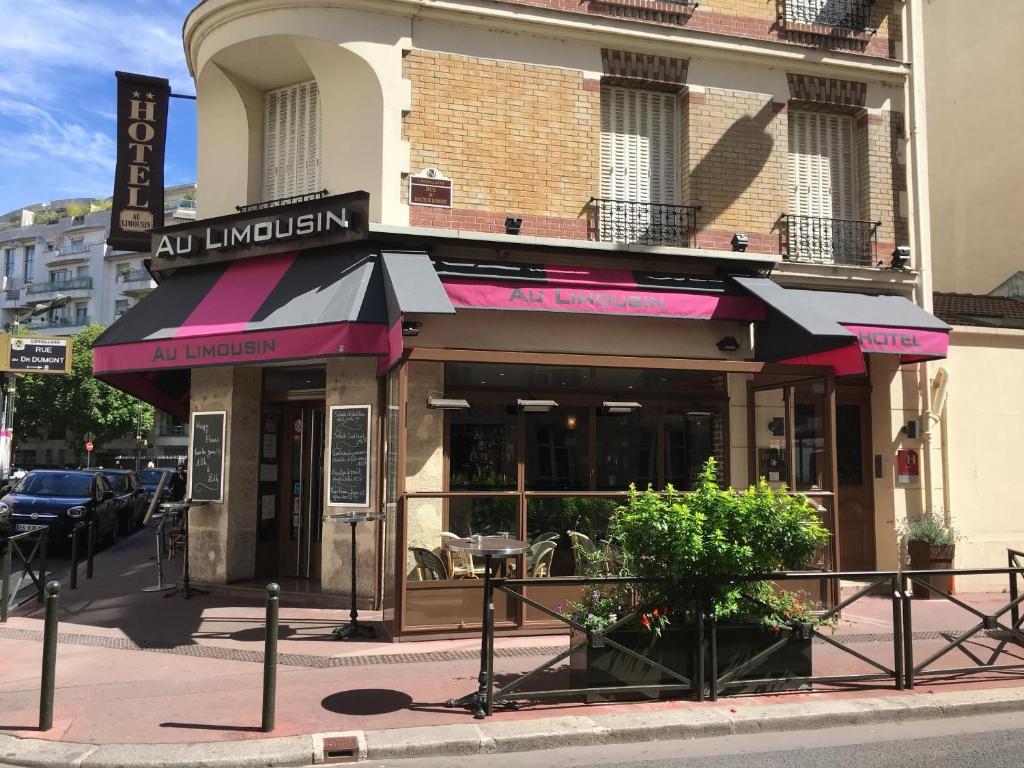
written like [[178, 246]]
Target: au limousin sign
[[307, 224]]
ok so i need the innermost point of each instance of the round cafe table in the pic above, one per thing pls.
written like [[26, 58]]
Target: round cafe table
[[488, 547], [353, 628]]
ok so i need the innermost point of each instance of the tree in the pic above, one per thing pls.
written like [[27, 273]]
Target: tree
[[79, 403]]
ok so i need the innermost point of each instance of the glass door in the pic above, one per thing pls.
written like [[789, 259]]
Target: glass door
[[301, 490]]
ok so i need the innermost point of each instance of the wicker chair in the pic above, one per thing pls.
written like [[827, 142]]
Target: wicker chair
[[460, 564], [429, 567], [541, 555]]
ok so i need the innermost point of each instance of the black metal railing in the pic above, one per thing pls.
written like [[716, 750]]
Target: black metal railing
[[828, 241], [705, 674], [852, 15], [27, 546], [627, 221], [276, 203]]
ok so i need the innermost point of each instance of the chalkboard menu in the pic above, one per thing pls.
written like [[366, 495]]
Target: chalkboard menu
[[349, 449], [206, 456]]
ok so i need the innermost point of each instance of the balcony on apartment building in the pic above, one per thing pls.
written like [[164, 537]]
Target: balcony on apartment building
[[135, 282], [827, 17], [820, 240], [77, 284], [625, 221], [62, 323]]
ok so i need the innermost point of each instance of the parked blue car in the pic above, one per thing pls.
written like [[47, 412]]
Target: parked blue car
[[150, 479], [60, 499]]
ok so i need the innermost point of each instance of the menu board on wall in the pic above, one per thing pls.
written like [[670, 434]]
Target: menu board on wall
[[349, 450], [206, 456]]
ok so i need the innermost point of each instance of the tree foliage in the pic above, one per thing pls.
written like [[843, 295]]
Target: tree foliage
[[78, 403]]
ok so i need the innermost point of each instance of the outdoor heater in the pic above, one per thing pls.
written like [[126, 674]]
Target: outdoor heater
[[612, 406], [442, 403], [536, 406]]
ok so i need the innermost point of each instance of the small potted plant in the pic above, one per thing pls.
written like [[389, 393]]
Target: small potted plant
[[931, 545]]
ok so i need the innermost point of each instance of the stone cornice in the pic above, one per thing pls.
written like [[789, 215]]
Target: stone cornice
[[596, 30]]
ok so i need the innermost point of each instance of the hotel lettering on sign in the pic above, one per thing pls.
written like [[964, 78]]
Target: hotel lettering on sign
[[138, 204]]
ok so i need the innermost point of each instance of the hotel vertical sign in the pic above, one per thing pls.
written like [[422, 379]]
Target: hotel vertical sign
[[138, 205]]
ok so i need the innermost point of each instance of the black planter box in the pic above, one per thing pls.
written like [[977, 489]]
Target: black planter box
[[676, 649]]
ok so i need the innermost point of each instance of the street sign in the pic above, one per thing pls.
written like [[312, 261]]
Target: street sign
[[36, 354], [88, 447]]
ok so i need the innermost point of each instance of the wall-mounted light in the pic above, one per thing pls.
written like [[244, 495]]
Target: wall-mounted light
[[442, 403], [614, 406], [740, 242], [900, 257], [910, 429], [777, 426], [411, 328], [536, 406], [728, 344], [570, 421], [513, 224]]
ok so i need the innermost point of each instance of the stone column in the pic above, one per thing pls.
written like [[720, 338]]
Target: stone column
[[352, 381], [222, 537]]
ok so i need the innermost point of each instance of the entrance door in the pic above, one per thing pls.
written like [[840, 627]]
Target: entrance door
[[856, 492], [301, 491]]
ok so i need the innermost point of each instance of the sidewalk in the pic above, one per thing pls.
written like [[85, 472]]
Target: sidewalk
[[140, 669]]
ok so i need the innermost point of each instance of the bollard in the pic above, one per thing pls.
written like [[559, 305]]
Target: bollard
[[90, 548], [270, 658], [49, 657], [74, 556]]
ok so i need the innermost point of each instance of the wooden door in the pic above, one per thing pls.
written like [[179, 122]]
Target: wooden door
[[856, 488]]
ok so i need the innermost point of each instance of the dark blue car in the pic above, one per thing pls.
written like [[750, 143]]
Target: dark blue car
[[150, 479], [60, 499]]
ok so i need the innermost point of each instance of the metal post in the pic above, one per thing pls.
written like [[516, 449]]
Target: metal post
[[5, 588], [74, 555], [90, 549], [908, 634], [897, 632], [49, 657], [1015, 611], [714, 654], [701, 658], [270, 658], [489, 587]]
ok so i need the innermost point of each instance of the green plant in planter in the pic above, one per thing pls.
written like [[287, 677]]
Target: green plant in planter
[[673, 539], [931, 528]]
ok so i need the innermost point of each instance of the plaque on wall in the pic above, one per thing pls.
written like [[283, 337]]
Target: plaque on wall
[[430, 187], [348, 446], [206, 456]]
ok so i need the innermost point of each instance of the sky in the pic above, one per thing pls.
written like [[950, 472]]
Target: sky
[[57, 92]]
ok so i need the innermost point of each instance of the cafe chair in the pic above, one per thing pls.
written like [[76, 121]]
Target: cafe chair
[[429, 567], [547, 537], [582, 547], [460, 564], [541, 555]]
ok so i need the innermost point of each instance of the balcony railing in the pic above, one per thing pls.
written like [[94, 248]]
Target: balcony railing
[[77, 283], [62, 322], [828, 241], [852, 15], [625, 221], [12, 294], [281, 201], [134, 276], [73, 248]]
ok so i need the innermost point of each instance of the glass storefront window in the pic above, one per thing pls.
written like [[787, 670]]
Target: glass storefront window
[[577, 525], [626, 450], [432, 521], [482, 455], [689, 441], [558, 450]]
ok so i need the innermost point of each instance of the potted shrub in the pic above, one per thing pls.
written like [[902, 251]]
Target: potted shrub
[[713, 534], [931, 545]]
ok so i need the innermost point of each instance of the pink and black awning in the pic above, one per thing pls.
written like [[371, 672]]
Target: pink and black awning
[[570, 289], [837, 329], [287, 306]]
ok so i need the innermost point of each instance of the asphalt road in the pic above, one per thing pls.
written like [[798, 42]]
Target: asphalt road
[[994, 741]]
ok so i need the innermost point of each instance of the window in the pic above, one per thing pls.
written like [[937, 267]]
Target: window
[[77, 244], [8, 262], [30, 262], [82, 271], [81, 313], [120, 307], [823, 183], [639, 152], [291, 141]]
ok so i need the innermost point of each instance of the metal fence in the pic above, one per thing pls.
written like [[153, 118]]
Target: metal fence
[[704, 674], [828, 241], [28, 548]]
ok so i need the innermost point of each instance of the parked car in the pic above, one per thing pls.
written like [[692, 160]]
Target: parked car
[[150, 479], [60, 498], [132, 498]]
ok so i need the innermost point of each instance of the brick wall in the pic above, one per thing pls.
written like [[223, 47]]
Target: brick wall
[[882, 177], [755, 19], [737, 164], [514, 138]]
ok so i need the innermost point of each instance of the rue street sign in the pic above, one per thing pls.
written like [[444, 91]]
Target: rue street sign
[[35, 354]]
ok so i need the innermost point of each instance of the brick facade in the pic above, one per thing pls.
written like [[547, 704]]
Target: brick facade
[[515, 138], [756, 19], [883, 177]]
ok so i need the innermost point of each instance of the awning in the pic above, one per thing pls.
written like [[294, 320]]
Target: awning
[[836, 329], [551, 288], [288, 306]]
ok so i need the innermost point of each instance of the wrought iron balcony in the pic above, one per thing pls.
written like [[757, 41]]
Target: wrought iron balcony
[[828, 241], [625, 221], [281, 201], [74, 284], [851, 15]]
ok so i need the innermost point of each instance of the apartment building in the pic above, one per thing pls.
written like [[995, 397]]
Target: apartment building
[[550, 248], [59, 275]]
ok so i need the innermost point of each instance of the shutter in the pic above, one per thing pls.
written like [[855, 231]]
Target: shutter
[[291, 141]]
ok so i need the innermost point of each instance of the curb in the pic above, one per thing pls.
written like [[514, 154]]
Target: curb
[[517, 735]]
